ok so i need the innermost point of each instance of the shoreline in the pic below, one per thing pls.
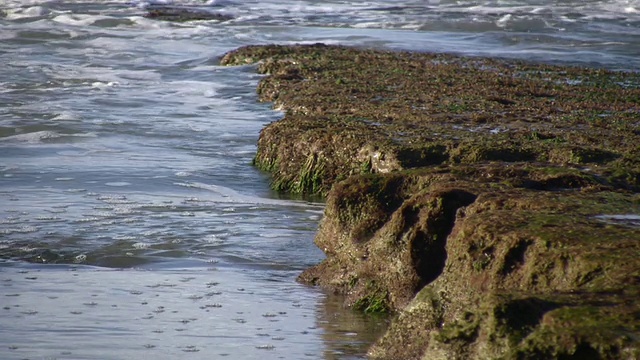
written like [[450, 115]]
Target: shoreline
[[483, 201]]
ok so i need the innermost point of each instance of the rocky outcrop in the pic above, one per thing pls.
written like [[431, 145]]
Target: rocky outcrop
[[492, 205], [184, 13]]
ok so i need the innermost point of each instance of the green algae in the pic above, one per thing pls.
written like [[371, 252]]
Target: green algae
[[375, 301], [465, 194], [588, 332], [439, 108]]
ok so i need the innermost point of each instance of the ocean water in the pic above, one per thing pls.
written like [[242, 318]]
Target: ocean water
[[132, 224]]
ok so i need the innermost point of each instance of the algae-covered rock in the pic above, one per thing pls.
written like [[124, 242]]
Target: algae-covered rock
[[532, 275], [357, 111], [493, 206], [494, 259], [183, 13]]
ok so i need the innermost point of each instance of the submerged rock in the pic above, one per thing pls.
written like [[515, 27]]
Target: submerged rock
[[183, 13], [473, 197]]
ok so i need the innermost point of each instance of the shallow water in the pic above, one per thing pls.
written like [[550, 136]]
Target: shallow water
[[171, 313], [125, 167]]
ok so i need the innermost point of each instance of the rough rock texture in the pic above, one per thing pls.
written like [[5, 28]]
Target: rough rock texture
[[352, 111], [492, 205], [184, 13]]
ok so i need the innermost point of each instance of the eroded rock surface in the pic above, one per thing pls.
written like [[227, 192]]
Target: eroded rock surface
[[483, 201]]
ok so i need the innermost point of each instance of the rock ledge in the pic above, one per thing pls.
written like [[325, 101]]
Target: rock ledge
[[493, 205]]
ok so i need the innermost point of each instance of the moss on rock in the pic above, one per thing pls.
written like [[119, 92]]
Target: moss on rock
[[489, 203], [395, 110]]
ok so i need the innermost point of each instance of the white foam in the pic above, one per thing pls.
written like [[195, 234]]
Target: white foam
[[78, 19], [75, 190], [66, 115], [504, 20], [41, 136], [141, 245], [632, 220], [143, 4], [47, 218], [103, 85], [33, 137], [622, 217], [229, 195], [118, 183], [26, 12], [191, 92], [25, 229], [80, 258], [100, 77]]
